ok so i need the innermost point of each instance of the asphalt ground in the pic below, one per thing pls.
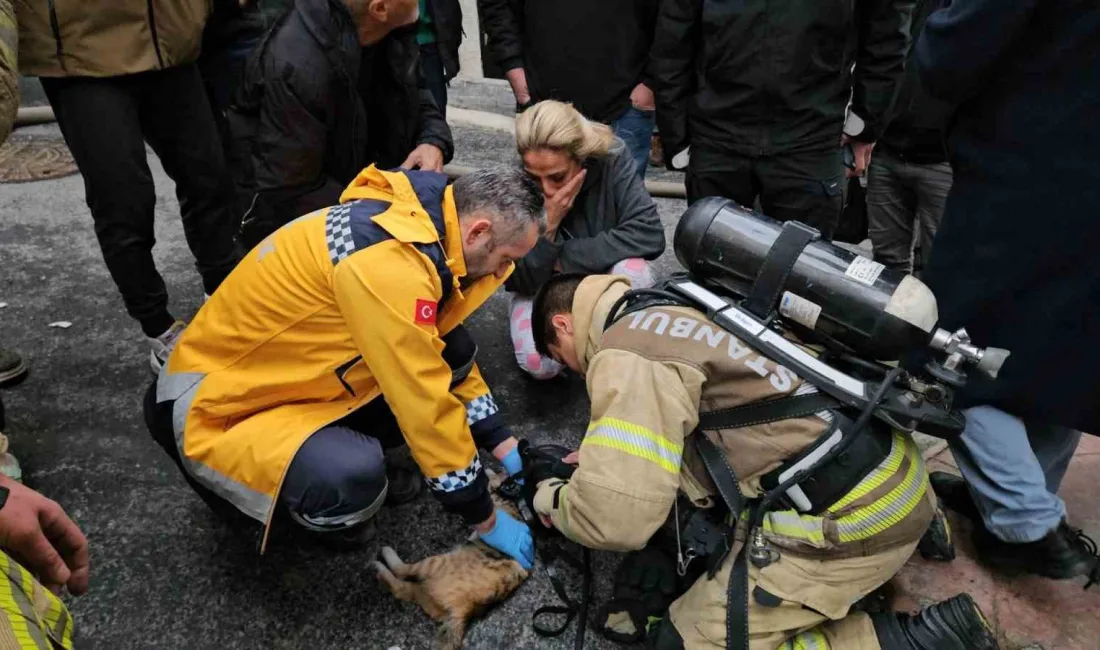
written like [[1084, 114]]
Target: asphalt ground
[[165, 572]]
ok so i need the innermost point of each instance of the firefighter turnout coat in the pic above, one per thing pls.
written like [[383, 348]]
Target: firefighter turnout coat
[[338, 308], [648, 376]]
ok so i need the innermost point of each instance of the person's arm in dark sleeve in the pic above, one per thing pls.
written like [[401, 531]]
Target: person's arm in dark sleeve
[[289, 146], [504, 28], [884, 40], [433, 128], [535, 268], [961, 44], [672, 70], [639, 232], [647, 12]]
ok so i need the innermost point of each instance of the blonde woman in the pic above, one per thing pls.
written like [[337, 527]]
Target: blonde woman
[[600, 219]]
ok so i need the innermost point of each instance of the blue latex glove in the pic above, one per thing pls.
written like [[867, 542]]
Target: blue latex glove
[[513, 464], [513, 538]]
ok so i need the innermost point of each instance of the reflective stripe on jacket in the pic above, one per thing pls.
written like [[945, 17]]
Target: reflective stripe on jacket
[[31, 618], [334, 310], [648, 377]]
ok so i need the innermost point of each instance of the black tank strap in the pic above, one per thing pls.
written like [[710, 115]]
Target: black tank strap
[[773, 273], [784, 408]]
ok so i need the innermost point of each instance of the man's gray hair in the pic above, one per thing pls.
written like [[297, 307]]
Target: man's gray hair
[[506, 195]]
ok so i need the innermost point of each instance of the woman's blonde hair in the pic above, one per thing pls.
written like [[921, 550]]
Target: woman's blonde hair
[[556, 125]]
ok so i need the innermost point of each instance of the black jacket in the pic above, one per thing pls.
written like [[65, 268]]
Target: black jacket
[[612, 219], [447, 24], [916, 126], [309, 115], [1015, 260], [757, 77], [591, 53]]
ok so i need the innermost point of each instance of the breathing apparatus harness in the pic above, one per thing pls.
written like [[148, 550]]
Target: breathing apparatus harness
[[865, 399]]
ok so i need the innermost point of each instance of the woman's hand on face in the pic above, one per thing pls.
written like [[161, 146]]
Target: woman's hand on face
[[559, 204]]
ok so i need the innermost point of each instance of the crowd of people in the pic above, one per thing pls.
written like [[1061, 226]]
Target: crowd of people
[[329, 373]]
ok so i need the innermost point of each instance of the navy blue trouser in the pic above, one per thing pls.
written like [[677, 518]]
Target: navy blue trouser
[[336, 480]]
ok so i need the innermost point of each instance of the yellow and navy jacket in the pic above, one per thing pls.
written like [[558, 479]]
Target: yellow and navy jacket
[[337, 308]]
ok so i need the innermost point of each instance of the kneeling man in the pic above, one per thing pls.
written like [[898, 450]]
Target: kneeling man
[[339, 338], [659, 377]]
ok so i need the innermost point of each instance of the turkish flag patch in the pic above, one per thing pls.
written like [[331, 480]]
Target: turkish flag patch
[[425, 312]]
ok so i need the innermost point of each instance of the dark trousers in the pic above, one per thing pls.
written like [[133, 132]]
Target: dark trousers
[[337, 479], [106, 123], [435, 79], [903, 197], [804, 186]]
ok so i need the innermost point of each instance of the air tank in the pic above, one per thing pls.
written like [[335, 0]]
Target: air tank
[[844, 298]]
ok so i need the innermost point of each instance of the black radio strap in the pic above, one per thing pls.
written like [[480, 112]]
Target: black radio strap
[[737, 606], [792, 240]]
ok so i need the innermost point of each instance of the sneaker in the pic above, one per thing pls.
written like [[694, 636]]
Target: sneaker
[[161, 346], [1062, 554], [403, 475], [12, 368], [954, 624]]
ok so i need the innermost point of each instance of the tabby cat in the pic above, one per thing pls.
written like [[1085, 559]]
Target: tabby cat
[[454, 587]]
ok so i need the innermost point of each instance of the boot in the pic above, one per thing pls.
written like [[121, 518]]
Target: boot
[[12, 368], [937, 544], [1064, 553], [955, 495], [403, 475], [954, 624]]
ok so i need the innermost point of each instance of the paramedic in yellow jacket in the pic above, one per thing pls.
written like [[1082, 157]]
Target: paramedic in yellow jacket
[[649, 375], [338, 337]]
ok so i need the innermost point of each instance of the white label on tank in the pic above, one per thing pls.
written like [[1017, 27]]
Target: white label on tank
[[865, 270], [743, 320], [802, 311]]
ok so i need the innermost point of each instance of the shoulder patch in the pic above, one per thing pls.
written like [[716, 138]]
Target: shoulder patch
[[338, 232]]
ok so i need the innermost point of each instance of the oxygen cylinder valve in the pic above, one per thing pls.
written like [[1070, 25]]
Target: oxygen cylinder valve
[[959, 350]]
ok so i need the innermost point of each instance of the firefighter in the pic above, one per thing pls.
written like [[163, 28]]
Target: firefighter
[[652, 373], [336, 341]]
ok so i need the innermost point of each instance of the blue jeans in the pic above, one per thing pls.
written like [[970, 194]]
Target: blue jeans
[[635, 127], [1014, 468]]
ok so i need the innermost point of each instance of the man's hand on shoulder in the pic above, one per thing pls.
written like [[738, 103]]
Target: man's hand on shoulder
[[427, 157], [37, 532]]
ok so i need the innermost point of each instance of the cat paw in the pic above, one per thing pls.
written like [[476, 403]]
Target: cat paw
[[390, 557]]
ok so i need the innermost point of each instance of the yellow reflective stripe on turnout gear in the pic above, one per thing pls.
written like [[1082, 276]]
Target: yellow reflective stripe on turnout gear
[[869, 520], [635, 440], [789, 523], [877, 477], [808, 640], [895, 506], [18, 613]]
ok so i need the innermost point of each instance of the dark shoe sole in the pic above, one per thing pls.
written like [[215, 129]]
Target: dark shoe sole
[[937, 543], [991, 552], [13, 376], [963, 617]]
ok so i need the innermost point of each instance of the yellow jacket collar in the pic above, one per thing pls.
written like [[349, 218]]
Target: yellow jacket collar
[[394, 187], [591, 304]]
